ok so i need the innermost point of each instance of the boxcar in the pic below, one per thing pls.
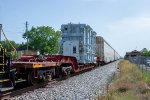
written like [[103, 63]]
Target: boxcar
[[104, 52]]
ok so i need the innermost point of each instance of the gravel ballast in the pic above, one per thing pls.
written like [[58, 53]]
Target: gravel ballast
[[81, 87]]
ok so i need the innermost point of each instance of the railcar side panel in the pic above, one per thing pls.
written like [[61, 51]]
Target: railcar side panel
[[108, 53]]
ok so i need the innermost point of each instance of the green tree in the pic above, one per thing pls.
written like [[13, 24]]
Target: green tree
[[43, 39], [146, 52]]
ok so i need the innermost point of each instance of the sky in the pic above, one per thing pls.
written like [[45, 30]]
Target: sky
[[124, 24]]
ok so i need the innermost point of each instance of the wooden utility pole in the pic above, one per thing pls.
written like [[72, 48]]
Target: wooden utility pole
[[27, 33], [0, 31]]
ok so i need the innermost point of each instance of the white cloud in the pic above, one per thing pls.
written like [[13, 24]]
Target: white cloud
[[130, 33]]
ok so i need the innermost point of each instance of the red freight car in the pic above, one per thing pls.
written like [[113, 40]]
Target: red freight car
[[44, 68]]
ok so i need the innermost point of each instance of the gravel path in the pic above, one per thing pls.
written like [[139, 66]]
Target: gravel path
[[82, 87]]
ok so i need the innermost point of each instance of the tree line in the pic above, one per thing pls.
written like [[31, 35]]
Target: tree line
[[146, 52], [43, 39]]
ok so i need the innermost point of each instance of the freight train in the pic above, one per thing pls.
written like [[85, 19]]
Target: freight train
[[80, 50]]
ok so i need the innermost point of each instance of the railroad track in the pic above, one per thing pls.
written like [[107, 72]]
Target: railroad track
[[19, 91]]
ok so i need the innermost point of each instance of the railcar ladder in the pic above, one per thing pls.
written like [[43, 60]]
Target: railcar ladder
[[5, 72]]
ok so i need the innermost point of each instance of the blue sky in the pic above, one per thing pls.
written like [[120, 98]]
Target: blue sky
[[124, 24]]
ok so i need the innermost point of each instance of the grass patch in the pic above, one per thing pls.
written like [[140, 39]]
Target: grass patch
[[146, 76], [130, 85]]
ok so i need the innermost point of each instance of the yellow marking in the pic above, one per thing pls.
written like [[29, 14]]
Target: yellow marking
[[54, 65], [2, 72], [3, 60], [4, 80], [37, 65], [2, 64]]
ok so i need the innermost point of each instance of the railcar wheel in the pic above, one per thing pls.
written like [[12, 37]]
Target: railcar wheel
[[13, 79], [31, 79], [49, 77], [58, 72], [68, 73]]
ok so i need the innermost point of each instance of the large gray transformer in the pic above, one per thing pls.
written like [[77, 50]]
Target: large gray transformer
[[78, 40]]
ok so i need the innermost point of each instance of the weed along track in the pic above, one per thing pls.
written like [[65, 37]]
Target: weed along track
[[130, 85]]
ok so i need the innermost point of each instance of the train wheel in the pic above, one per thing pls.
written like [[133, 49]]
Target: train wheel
[[60, 76], [31, 79], [49, 77], [68, 73], [13, 79], [58, 72]]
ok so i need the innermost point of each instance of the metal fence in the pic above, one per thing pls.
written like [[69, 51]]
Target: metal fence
[[141, 62]]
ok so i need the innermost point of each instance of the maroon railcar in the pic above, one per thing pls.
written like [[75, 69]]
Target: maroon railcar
[[44, 68]]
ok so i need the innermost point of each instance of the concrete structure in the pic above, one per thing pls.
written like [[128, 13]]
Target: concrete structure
[[78, 40]]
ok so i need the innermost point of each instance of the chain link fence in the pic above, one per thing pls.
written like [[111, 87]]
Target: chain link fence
[[141, 62]]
